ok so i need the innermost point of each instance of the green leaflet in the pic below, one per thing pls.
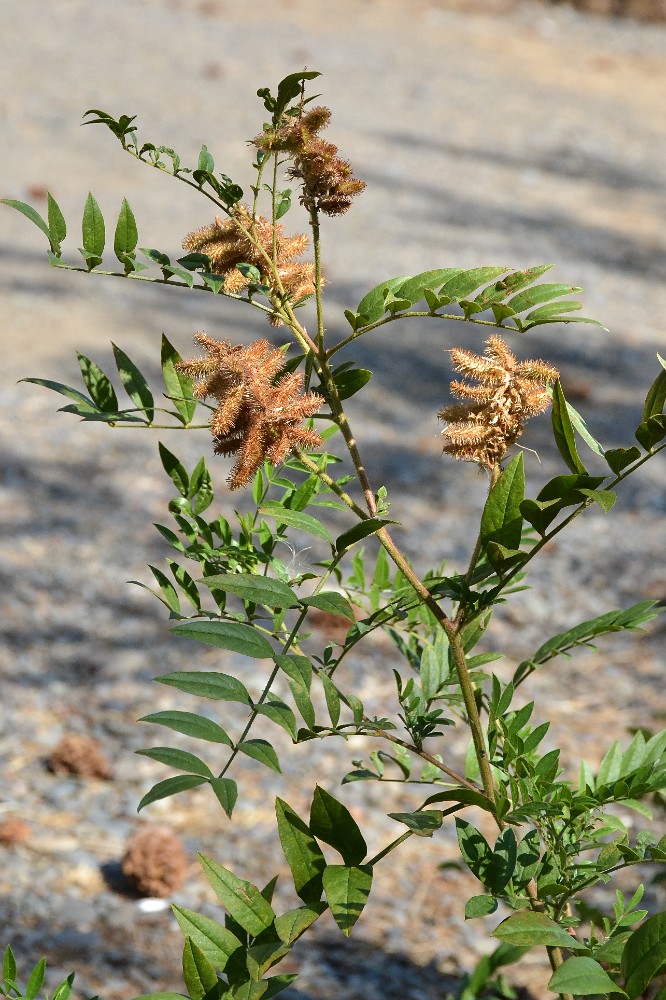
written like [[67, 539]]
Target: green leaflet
[[36, 980], [563, 431], [199, 975], [279, 713], [656, 397], [216, 942], [9, 966], [303, 522], [414, 288], [135, 383], [190, 725], [227, 635], [226, 792], [347, 888], [332, 602], [527, 928], [422, 822], [461, 285], [510, 284], [369, 526], [208, 684], [262, 751], [30, 213], [332, 822], [583, 977], [126, 235], [480, 906], [540, 293], [371, 306], [644, 954], [57, 224], [493, 868], [92, 232], [349, 382], [98, 385], [257, 589], [302, 853], [206, 161], [501, 520], [332, 697], [290, 925], [170, 786], [182, 760], [240, 898]]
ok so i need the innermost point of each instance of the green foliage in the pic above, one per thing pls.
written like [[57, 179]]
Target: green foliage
[[237, 584], [10, 986], [506, 299]]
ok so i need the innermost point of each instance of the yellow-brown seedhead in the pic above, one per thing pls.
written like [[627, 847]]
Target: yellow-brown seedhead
[[328, 182], [259, 411], [492, 418], [243, 239]]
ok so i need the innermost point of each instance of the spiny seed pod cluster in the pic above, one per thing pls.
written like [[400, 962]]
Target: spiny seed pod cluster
[[155, 861], [243, 239], [259, 411], [328, 182], [483, 428]]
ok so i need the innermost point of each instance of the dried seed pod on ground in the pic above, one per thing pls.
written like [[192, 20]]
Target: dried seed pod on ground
[[155, 861], [13, 830], [79, 754]]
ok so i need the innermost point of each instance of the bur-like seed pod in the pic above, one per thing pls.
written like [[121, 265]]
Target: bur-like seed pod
[[155, 861], [492, 418], [328, 182], [79, 754], [229, 243], [260, 411]]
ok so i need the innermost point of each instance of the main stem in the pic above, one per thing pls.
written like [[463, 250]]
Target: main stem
[[450, 628]]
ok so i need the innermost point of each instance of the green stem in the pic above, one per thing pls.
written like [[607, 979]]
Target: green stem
[[383, 734], [161, 427], [405, 836], [494, 476], [425, 314], [554, 953], [133, 276], [331, 483], [473, 718], [588, 502], [422, 591], [292, 638], [389, 847], [316, 243]]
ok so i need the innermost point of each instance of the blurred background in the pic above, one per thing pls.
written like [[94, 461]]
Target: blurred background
[[488, 132]]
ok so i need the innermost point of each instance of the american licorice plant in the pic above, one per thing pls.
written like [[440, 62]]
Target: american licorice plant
[[273, 413]]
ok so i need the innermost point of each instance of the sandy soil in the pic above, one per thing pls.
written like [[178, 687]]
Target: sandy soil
[[488, 132]]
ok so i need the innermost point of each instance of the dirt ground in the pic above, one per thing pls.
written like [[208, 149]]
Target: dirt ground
[[492, 131]]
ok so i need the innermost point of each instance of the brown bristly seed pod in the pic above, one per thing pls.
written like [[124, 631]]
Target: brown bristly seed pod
[[328, 182], [259, 410], [493, 416], [228, 244]]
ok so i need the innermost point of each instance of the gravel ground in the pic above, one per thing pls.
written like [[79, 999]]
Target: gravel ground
[[498, 132]]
